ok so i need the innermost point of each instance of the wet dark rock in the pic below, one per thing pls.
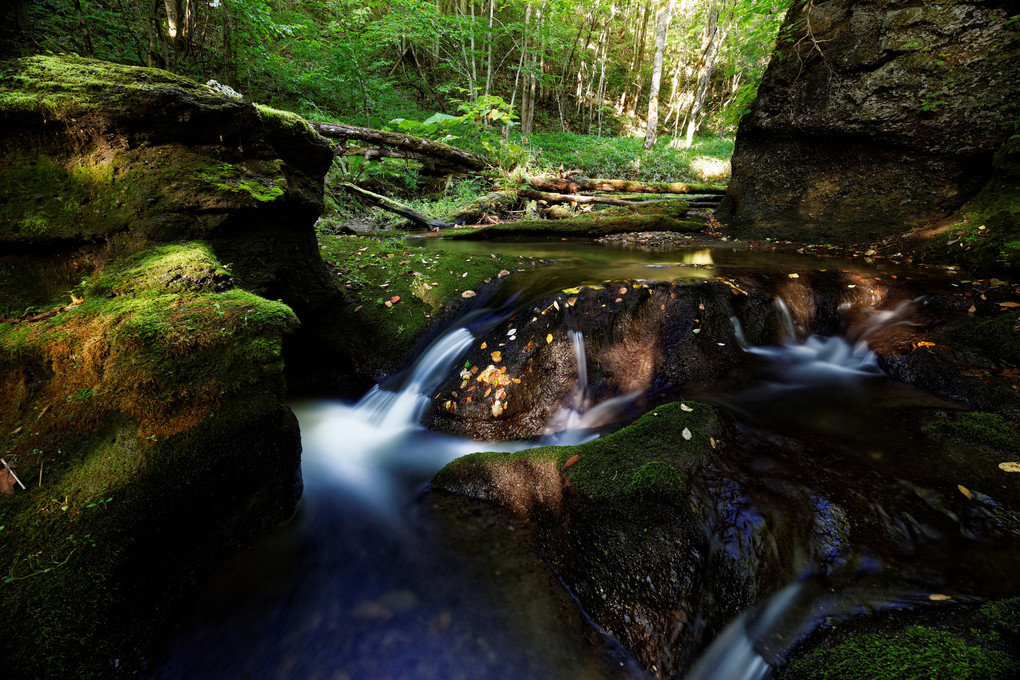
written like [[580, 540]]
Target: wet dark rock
[[879, 117], [642, 339]]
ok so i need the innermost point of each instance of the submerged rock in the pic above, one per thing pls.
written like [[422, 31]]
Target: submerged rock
[[148, 228]]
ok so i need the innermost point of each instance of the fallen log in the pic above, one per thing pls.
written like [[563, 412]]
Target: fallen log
[[550, 197], [571, 198], [392, 206], [573, 185], [441, 154]]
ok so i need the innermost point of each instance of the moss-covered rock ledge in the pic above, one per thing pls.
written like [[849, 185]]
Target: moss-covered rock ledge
[[148, 228]]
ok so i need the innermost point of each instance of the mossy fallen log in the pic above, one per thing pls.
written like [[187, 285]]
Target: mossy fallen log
[[588, 226], [575, 184]]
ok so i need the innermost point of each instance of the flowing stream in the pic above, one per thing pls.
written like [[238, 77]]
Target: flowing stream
[[374, 578]]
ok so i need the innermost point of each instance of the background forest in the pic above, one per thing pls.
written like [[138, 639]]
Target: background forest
[[595, 67]]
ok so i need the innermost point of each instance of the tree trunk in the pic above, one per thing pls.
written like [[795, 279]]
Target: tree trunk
[[21, 15], [630, 104], [83, 26], [652, 129], [597, 184], [528, 91], [705, 77]]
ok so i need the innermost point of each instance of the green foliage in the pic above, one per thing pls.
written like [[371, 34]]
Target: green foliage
[[624, 157]]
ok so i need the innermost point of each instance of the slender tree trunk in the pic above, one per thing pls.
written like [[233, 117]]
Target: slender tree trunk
[[528, 89], [639, 62], [488, 39], [663, 19], [83, 26], [704, 77]]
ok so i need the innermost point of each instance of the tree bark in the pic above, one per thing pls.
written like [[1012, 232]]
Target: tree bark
[[394, 207], [442, 154], [652, 127], [83, 26], [596, 184]]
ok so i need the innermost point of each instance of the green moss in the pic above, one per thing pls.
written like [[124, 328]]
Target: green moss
[[917, 653], [589, 226], [985, 233], [985, 429], [64, 83], [285, 119], [647, 460], [237, 179], [429, 282], [1005, 614]]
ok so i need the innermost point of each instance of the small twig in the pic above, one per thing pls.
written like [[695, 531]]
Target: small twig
[[13, 474]]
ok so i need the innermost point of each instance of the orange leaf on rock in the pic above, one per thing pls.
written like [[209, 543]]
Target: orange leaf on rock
[[570, 461], [497, 356]]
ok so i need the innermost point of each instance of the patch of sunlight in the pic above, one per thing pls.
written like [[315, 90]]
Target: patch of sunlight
[[708, 168]]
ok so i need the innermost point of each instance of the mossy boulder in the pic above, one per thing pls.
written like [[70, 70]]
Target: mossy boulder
[[615, 519], [874, 118], [149, 229]]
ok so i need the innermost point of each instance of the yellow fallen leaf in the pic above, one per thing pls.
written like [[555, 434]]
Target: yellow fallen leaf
[[794, 276], [548, 339], [711, 440], [497, 356], [964, 490], [1009, 467], [572, 291], [1009, 305], [938, 597], [484, 345], [497, 409], [468, 294]]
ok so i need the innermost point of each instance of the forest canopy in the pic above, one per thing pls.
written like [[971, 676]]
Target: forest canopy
[[585, 66]]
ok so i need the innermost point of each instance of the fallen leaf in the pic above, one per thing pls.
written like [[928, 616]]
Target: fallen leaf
[[503, 272], [497, 356], [571, 301], [686, 434], [964, 490], [570, 461], [358, 308], [711, 440], [572, 291], [1009, 305], [497, 409], [548, 339], [794, 276], [685, 407], [1010, 467], [622, 291], [395, 299], [468, 294], [388, 304], [938, 597], [972, 309], [484, 345]]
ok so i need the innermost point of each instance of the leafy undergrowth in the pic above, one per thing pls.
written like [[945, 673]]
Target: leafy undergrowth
[[708, 160], [400, 288]]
